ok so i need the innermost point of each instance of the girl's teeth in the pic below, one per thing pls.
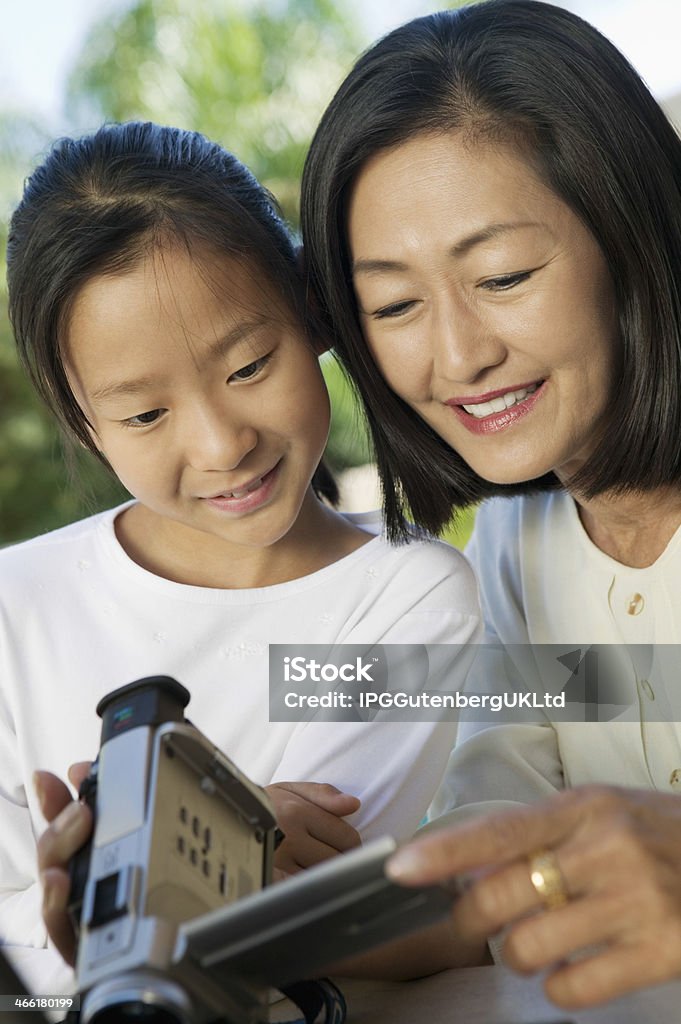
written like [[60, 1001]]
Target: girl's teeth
[[247, 490], [501, 403]]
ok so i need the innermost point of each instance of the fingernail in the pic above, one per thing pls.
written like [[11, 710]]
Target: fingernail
[[404, 865], [68, 818]]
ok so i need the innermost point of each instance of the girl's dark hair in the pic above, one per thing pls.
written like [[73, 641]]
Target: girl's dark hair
[[538, 77], [96, 205]]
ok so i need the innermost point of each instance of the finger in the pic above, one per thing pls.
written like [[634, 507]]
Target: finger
[[323, 795], [52, 793], [495, 899], [302, 818], [78, 772], [302, 852], [333, 832], [64, 837], [552, 936], [495, 839], [56, 885], [606, 975]]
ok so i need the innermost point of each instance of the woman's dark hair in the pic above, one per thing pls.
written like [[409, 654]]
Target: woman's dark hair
[[540, 78], [97, 204]]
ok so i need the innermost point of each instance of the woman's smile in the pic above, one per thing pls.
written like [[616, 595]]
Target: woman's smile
[[496, 410]]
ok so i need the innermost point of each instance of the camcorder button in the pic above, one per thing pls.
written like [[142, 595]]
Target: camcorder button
[[111, 899]]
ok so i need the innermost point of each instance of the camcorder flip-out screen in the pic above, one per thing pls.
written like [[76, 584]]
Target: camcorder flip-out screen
[[296, 928]]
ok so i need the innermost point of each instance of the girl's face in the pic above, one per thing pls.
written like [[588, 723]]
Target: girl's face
[[486, 303], [203, 394]]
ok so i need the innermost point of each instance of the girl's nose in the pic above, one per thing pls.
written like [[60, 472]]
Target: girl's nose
[[217, 442]]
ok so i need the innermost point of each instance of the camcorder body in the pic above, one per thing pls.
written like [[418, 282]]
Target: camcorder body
[[179, 831], [175, 917]]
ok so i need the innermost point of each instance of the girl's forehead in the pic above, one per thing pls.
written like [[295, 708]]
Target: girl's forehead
[[180, 285], [173, 300]]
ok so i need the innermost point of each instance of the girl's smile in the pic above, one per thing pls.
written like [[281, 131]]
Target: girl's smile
[[249, 496]]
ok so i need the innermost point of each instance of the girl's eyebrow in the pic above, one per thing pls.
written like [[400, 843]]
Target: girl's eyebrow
[[217, 349], [458, 249]]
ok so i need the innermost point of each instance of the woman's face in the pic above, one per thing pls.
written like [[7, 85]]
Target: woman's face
[[487, 304]]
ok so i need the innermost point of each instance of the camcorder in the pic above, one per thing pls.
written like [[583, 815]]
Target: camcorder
[[176, 919]]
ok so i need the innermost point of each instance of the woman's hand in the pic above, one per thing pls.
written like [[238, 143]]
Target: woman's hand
[[619, 854], [70, 826], [310, 814]]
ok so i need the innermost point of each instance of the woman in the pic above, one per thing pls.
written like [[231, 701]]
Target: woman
[[492, 224]]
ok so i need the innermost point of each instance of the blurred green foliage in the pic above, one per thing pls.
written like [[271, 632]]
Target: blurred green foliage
[[253, 74], [36, 489]]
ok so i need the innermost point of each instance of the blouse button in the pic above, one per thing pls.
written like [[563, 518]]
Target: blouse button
[[635, 604], [675, 779], [647, 689]]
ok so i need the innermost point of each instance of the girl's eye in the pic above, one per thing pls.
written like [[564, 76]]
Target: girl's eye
[[393, 310], [505, 283], [250, 371], [144, 419]]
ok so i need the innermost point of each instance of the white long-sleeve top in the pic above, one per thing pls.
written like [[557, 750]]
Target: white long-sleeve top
[[543, 581], [79, 618]]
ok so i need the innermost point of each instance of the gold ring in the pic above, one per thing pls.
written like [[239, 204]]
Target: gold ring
[[547, 879]]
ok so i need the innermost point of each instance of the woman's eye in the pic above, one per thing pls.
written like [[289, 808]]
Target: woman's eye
[[394, 309], [506, 282], [143, 419], [250, 371]]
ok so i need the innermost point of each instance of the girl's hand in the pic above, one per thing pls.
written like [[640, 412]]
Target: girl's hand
[[71, 824], [619, 858], [311, 814]]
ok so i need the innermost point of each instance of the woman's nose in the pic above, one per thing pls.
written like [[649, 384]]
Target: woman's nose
[[463, 347]]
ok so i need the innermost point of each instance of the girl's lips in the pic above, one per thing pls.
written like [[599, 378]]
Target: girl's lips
[[247, 500], [497, 420]]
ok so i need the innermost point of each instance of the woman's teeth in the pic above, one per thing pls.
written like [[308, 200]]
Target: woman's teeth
[[500, 403]]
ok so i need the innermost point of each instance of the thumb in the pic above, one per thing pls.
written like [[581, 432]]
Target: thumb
[[52, 793], [78, 772]]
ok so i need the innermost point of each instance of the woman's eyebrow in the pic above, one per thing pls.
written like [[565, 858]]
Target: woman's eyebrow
[[458, 249]]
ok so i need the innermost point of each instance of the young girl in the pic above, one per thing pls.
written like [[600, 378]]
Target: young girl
[[155, 300]]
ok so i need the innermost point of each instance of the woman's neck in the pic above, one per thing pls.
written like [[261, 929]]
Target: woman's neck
[[634, 529]]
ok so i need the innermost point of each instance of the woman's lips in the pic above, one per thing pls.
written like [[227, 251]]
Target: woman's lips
[[496, 410], [248, 498]]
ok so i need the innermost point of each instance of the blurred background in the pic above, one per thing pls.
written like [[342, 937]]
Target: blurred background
[[252, 74]]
